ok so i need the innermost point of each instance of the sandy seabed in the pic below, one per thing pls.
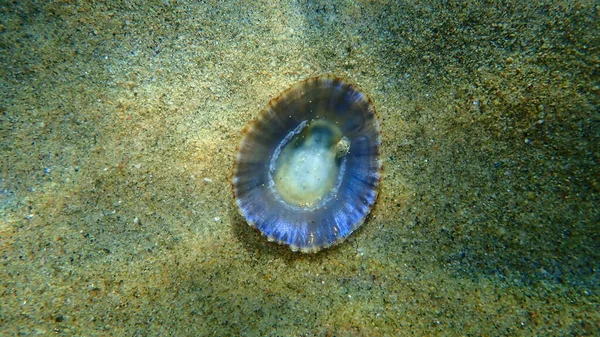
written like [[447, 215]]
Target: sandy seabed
[[119, 126]]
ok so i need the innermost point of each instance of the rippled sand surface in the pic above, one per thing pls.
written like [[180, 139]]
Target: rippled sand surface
[[118, 131]]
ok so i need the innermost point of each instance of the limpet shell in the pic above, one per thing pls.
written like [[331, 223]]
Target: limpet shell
[[308, 168]]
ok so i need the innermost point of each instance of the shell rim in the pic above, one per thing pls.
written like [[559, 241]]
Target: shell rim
[[358, 224]]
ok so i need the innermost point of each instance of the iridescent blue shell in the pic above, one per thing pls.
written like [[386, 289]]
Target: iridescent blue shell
[[308, 168]]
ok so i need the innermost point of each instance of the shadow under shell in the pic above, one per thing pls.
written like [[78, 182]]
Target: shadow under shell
[[308, 168]]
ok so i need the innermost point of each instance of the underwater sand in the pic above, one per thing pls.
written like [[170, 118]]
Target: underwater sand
[[118, 133]]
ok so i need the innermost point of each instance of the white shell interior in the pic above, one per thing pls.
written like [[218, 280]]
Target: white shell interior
[[307, 163]]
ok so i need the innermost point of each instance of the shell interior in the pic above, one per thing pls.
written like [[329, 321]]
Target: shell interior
[[308, 168]]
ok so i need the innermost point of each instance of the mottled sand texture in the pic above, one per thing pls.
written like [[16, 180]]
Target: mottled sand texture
[[118, 131]]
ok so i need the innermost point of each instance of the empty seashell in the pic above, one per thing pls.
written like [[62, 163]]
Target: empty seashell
[[308, 168]]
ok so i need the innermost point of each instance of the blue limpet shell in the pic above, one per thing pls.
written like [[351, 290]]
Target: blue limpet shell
[[308, 167]]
